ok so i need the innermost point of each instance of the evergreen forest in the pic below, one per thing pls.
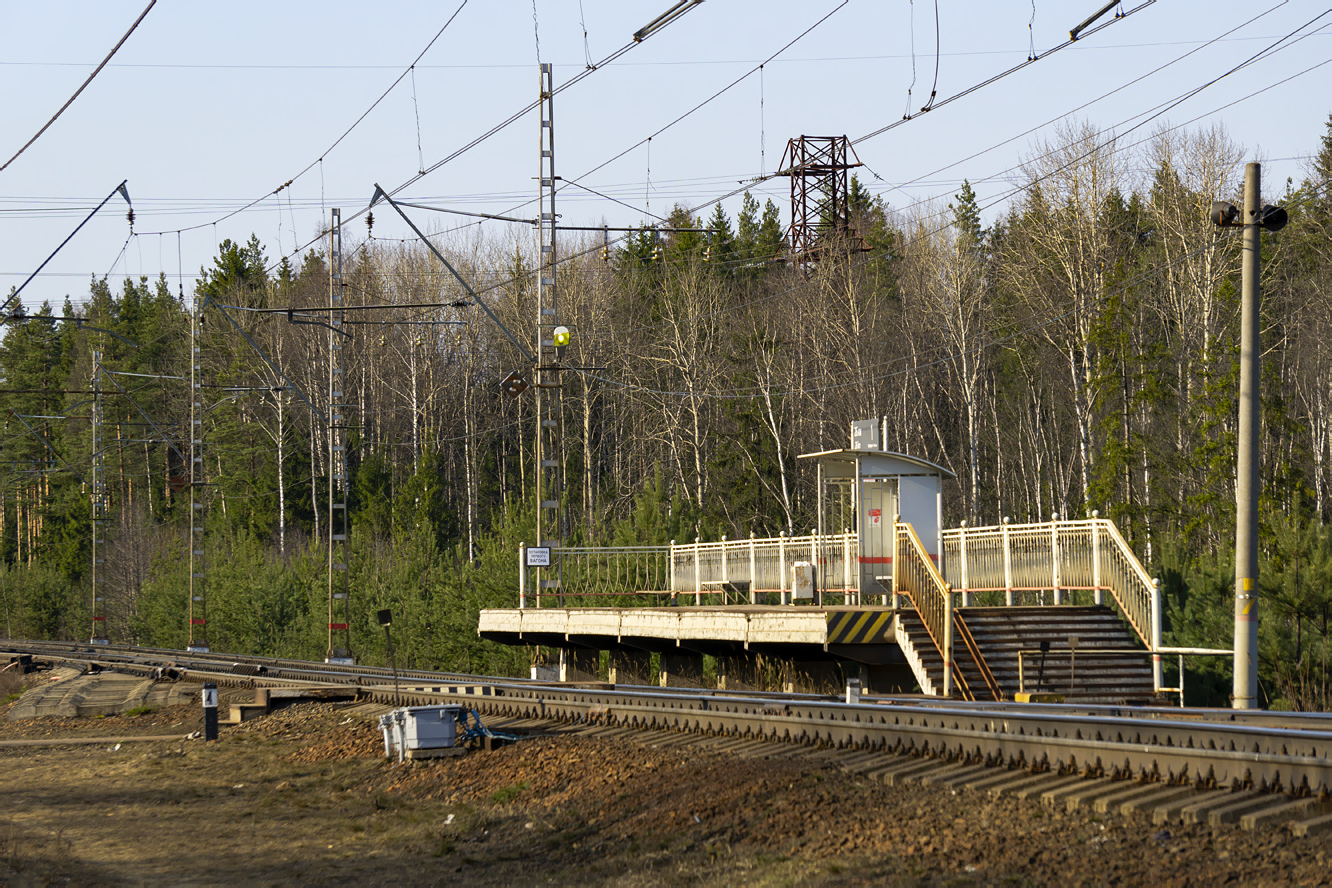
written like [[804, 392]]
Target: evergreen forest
[[1078, 353]]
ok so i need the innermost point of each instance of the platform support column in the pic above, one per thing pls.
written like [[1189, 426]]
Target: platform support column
[[578, 664], [630, 667], [681, 670], [739, 673]]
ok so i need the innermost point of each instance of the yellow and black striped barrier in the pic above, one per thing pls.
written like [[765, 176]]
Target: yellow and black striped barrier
[[860, 627]]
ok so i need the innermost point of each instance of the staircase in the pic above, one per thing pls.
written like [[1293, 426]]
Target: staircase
[[1091, 675]]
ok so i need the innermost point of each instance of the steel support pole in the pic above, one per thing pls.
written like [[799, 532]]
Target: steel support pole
[[550, 414], [1245, 694], [99, 511], [197, 610], [339, 586]]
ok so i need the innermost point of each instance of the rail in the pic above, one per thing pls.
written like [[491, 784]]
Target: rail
[[1019, 563], [1275, 751]]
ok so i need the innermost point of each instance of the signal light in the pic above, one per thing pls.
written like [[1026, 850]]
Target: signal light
[[1274, 218], [1224, 214]]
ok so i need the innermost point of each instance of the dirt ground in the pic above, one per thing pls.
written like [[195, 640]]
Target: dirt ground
[[305, 797]]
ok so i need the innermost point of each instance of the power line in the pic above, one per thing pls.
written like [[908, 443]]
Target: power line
[[82, 87]]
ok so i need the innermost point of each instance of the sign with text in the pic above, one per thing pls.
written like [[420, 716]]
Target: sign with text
[[538, 556]]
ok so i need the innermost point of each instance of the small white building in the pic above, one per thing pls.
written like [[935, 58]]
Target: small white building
[[864, 489]]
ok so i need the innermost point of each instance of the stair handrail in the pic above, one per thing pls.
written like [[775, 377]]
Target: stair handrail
[[915, 575], [1114, 567], [969, 642], [1140, 609]]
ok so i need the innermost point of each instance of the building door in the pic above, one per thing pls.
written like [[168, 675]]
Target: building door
[[878, 506]]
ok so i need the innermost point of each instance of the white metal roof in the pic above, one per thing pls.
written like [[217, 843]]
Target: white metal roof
[[882, 462]]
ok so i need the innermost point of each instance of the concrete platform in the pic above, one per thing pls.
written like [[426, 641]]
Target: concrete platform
[[859, 634]]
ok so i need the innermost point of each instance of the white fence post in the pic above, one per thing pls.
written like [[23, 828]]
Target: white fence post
[[948, 642], [1156, 635], [897, 599], [522, 575], [674, 586], [753, 578], [846, 568], [698, 575], [962, 559], [1096, 556], [725, 570], [781, 566], [1008, 567], [1054, 556], [819, 580]]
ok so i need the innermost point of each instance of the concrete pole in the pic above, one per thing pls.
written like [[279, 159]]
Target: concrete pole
[[1246, 477]]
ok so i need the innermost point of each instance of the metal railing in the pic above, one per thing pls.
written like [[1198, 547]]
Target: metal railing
[[1073, 561], [758, 570], [747, 571], [612, 576], [915, 576]]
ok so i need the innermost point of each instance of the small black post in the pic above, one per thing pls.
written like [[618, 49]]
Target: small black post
[[210, 710], [1040, 674], [385, 620]]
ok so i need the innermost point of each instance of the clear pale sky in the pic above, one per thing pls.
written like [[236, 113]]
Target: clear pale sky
[[209, 106]]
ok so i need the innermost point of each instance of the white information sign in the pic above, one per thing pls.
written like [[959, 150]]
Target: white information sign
[[538, 556]]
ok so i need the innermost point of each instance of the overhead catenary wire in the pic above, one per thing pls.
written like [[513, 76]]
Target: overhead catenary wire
[[758, 180], [82, 86]]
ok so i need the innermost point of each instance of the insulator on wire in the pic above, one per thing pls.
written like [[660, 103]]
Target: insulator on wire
[[605, 254], [129, 214], [369, 221]]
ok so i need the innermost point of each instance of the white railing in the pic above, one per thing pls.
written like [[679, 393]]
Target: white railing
[[747, 571], [758, 570], [1071, 561]]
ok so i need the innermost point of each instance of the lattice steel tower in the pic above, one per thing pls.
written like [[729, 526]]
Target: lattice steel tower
[[820, 209], [339, 597], [550, 422], [198, 611], [99, 511]]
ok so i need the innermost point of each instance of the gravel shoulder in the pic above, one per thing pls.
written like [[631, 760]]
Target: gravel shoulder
[[304, 797]]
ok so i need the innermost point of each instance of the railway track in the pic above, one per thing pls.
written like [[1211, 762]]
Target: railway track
[[1187, 765]]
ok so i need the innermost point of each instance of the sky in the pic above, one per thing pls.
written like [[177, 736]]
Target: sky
[[209, 108]]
